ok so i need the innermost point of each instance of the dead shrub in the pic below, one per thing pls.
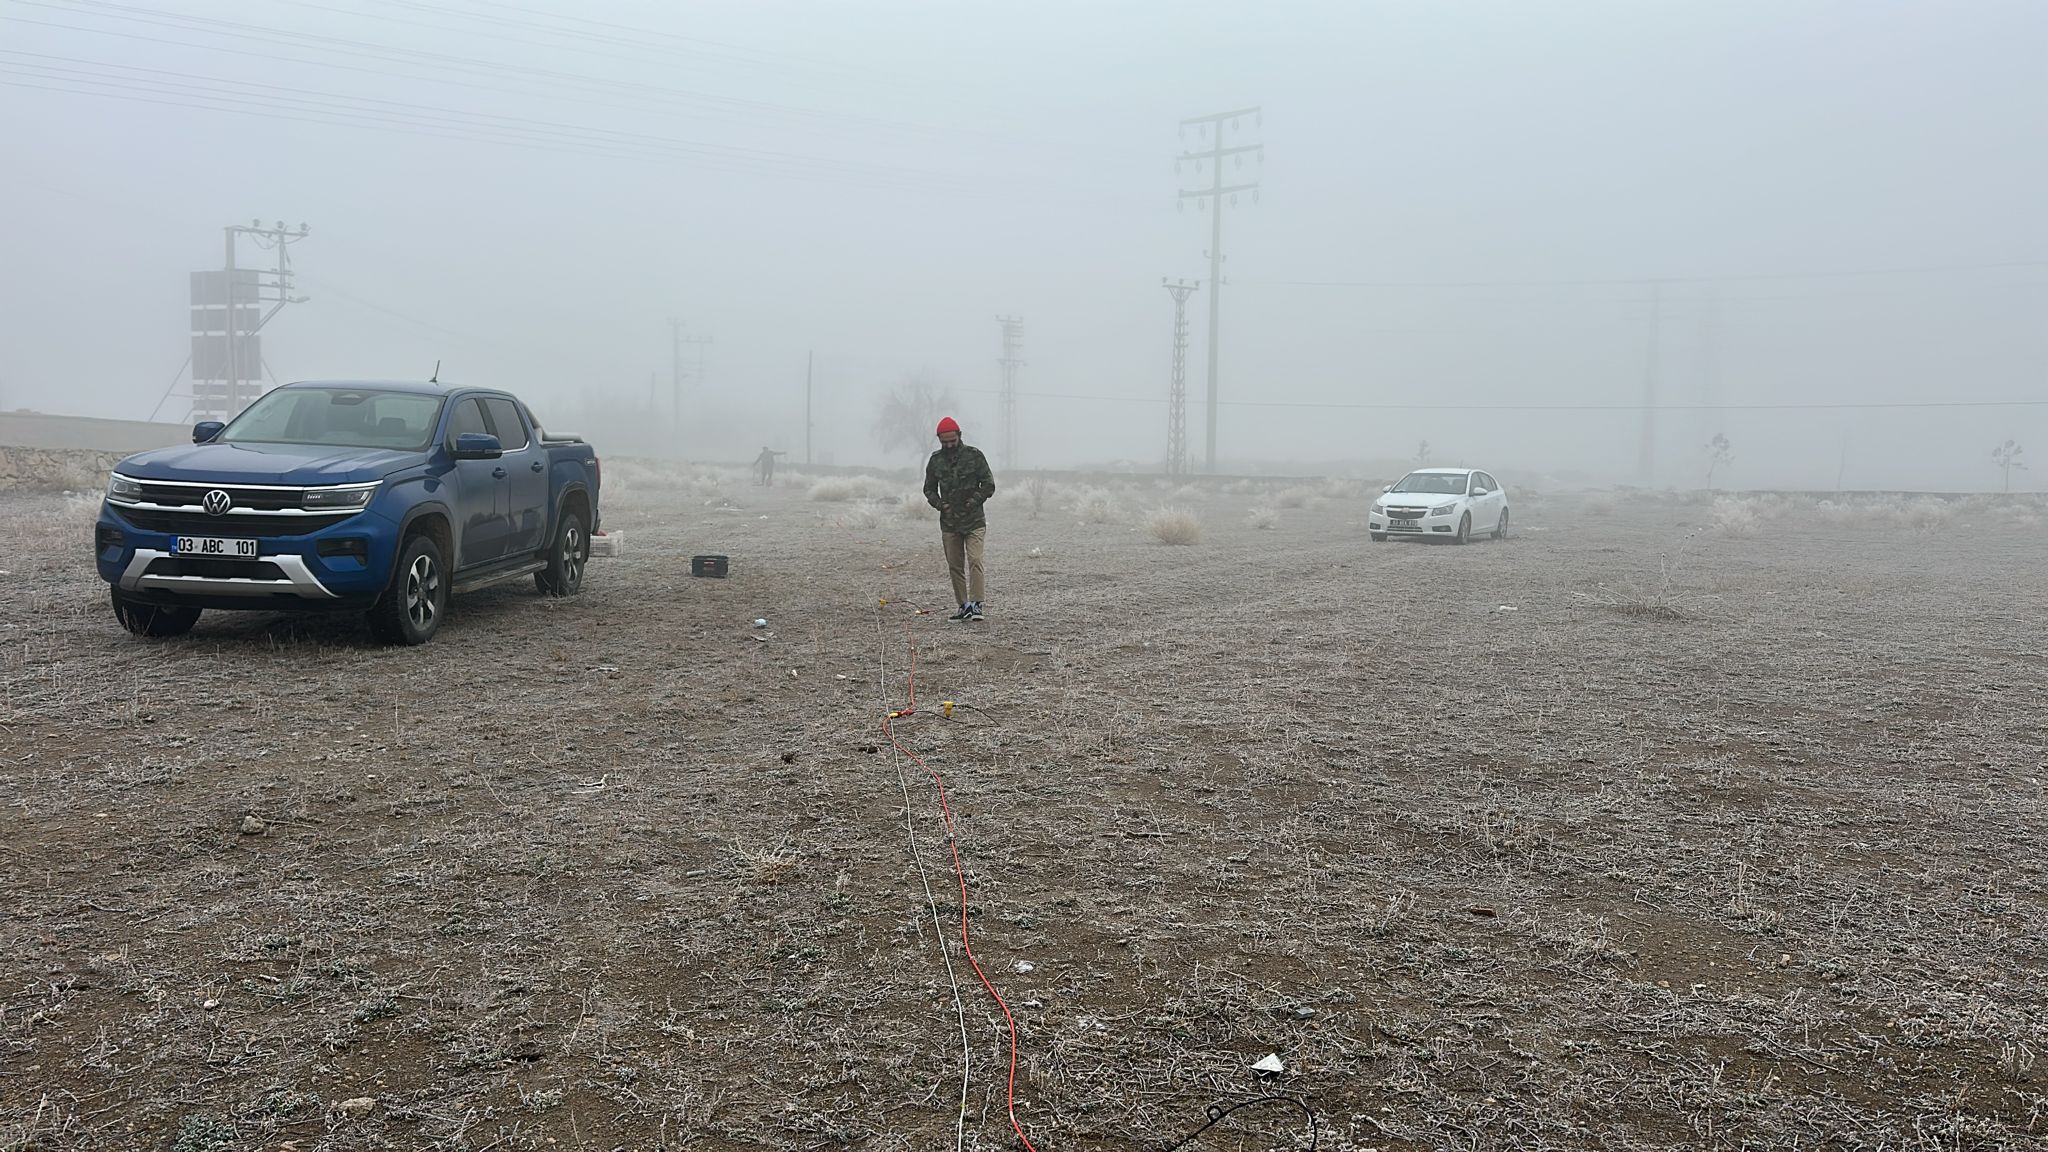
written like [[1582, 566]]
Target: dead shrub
[[1174, 526]]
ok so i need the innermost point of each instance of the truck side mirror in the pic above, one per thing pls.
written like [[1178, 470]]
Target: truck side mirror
[[477, 446], [204, 431]]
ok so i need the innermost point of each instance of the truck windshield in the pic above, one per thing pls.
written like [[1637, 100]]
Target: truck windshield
[[342, 417], [1433, 483]]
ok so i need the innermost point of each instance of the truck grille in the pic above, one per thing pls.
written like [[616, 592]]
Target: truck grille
[[200, 524], [190, 495], [216, 569]]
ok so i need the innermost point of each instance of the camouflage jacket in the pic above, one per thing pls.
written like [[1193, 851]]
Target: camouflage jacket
[[958, 483]]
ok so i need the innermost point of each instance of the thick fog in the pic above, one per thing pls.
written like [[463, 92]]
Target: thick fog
[[1464, 213]]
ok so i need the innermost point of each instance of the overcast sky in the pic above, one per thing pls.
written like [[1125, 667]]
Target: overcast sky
[[1461, 204]]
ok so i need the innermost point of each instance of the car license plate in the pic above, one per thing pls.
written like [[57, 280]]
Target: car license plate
[[217, 546]]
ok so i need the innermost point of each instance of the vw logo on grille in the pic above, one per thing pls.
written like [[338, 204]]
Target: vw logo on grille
[[217, 503]]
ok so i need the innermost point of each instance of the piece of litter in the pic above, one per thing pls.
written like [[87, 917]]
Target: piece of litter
[[1026, 966], [1271, 1065], [210, 1005], [1509, 608], [1304, 1013], [792, 673], [760, 622], [1481, 910]]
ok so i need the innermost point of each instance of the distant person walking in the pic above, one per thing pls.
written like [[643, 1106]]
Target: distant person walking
[[957, 482], [765, 465]]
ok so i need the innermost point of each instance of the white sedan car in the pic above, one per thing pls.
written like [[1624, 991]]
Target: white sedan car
[[1448, 502]]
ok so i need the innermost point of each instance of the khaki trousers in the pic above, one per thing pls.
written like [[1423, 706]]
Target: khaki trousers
[[963, 564]]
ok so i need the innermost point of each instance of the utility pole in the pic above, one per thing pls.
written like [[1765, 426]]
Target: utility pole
[[1646, 461], [810, 359], [1013, 343], [227, 358], [1211, 199], [675, 370], [1177, 388]]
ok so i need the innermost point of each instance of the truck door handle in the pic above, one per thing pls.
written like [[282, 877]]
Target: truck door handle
[[498, 472], [537, 466]]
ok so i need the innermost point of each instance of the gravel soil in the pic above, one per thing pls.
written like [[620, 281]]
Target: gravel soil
[[1661, 824]]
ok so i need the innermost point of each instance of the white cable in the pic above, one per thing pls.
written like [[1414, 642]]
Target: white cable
[[938, 926]]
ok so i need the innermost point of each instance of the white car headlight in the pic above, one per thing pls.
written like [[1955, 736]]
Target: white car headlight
[[338, 499], [122, 490], [1444, 509]]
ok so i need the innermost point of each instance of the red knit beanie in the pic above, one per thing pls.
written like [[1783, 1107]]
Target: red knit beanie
[[948, 424]]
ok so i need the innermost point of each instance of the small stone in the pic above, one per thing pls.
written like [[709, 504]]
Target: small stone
[[251, 826], [356, 1107]]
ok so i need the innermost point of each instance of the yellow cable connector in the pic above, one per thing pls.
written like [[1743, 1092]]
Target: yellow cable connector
[[946, 706]]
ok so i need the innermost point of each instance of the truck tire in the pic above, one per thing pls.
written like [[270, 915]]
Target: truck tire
[[153, 620], [410, 610], [566, 559]]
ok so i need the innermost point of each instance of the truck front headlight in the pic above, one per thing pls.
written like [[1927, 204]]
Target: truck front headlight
[[122, 490], [338, 499]]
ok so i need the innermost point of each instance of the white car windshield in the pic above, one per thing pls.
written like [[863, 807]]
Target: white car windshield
[[342, 417], [1433, 483]]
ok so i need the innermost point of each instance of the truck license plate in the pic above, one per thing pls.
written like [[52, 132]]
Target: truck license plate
[[217, 546]]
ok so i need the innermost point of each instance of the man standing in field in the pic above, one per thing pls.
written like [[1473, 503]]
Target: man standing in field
[[764, 465], [957, 482]]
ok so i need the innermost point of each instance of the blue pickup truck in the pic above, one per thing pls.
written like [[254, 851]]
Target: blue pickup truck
[[384, 498]]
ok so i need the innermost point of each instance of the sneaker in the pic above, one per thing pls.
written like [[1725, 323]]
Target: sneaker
[[962, 615], [974, 611]]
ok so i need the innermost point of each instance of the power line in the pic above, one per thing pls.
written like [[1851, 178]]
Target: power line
[[1644, 281], [439, 61], [493, 127], [327, 286], [1361, 406]]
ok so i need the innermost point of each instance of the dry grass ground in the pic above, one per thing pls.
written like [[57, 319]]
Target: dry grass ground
[[625, 872]]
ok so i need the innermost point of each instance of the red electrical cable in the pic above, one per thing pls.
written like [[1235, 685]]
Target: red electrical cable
[[960, 874]]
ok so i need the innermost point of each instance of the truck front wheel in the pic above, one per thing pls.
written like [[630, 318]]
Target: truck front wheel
[[153, 620], [566, 560], [409, 612]]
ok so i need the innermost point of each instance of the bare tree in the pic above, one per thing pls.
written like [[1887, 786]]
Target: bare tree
[[1720, 454], [2007, 457], [909, 414], [1422, 454]]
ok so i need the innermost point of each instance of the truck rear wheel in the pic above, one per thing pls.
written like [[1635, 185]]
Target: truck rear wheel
[[409, 612], [566, 560], [153, 620]]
